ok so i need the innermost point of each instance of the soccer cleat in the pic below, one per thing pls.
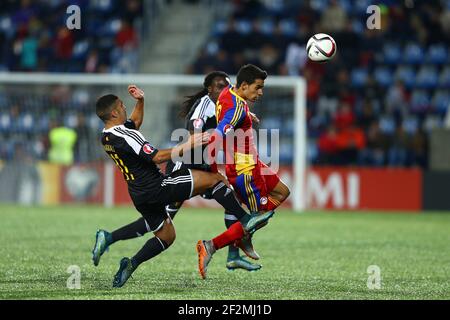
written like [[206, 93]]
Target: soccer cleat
[[257, 219], [241, 263], [245, 244], [124, 273], [204, 257], [100, 246]]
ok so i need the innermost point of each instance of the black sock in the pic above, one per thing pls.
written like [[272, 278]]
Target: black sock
[[233, 252], [133, 230], [225, 196], [151, 248]]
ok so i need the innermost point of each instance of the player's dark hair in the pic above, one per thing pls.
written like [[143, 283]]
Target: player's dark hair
[[187, 105], [249, 73], [104, 106]]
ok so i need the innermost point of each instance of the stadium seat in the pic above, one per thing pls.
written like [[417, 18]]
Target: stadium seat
[[360, 7], [43, 124], [432, 122], [5, 123], [288, 27], [437, 54], [387, 124], [271, 123], [441, 101], [219, 28], [25, 123], [71, 120], [427, 77], [406, 74], [413, 54], [358, 77], [444, 78], [80, 50], [410, 124], [243, 26], [420, 101], [312, 151], [267, 26], [392, 53], [383, 76]]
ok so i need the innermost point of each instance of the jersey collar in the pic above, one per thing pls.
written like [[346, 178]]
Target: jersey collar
[[235, 94], [112, 128]]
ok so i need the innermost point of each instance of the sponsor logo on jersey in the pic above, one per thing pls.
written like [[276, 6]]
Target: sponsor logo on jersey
[[148, 149], [227, 128], [263, 201], [198, 123]]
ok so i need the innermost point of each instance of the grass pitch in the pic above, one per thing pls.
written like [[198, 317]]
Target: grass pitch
[[312, 255]]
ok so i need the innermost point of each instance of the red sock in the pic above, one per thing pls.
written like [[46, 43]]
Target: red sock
[[234, 232]]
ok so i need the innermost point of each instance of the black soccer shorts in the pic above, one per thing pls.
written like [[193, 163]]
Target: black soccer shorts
[[175, 187]]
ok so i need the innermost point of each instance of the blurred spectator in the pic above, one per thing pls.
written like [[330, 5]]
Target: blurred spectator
[[398, 152], [29, 49], [126, 37], [92, 62], [344, 117], [419, 149], [375, 153], [328, 146], [64, 44], [396, 100], [350, 141], [296, 58], [334, 18], [62, 142]]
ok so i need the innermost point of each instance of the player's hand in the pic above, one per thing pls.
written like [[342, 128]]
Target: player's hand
[[135, 92], [198, 139], [254, 117]]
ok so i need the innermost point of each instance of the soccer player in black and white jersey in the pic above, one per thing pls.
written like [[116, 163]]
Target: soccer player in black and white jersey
[[151, 191], [199, 112]]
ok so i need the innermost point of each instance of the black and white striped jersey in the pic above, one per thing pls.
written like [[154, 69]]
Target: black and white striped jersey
[[133, 155], [201, 118], [202, 115]]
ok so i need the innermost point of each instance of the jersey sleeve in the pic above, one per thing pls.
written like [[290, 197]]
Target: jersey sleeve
[[232, 118], [147, 152], [137, 142], [202, 113]]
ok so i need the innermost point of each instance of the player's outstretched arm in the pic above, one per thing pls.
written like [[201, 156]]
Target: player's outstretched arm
[[195, 140], [137, 116]]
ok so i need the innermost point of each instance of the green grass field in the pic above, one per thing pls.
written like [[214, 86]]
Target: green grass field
[[305, 256]]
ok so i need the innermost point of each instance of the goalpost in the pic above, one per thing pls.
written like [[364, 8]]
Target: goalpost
[[284, 97]]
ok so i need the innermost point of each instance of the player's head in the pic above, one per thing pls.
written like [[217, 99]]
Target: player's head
[[215, 82], [250, 82], [110, 108]]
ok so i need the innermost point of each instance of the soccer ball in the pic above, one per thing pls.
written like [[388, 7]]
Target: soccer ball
[[321, 47]]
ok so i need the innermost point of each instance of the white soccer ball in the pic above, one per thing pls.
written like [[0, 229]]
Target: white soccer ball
[[321, 47]]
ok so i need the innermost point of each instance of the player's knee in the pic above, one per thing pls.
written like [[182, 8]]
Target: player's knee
[[168, 237], [171, 239], [286, 193]]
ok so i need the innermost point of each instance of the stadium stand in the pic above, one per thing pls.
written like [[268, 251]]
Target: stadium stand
[[394, 81], [407, 61]]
